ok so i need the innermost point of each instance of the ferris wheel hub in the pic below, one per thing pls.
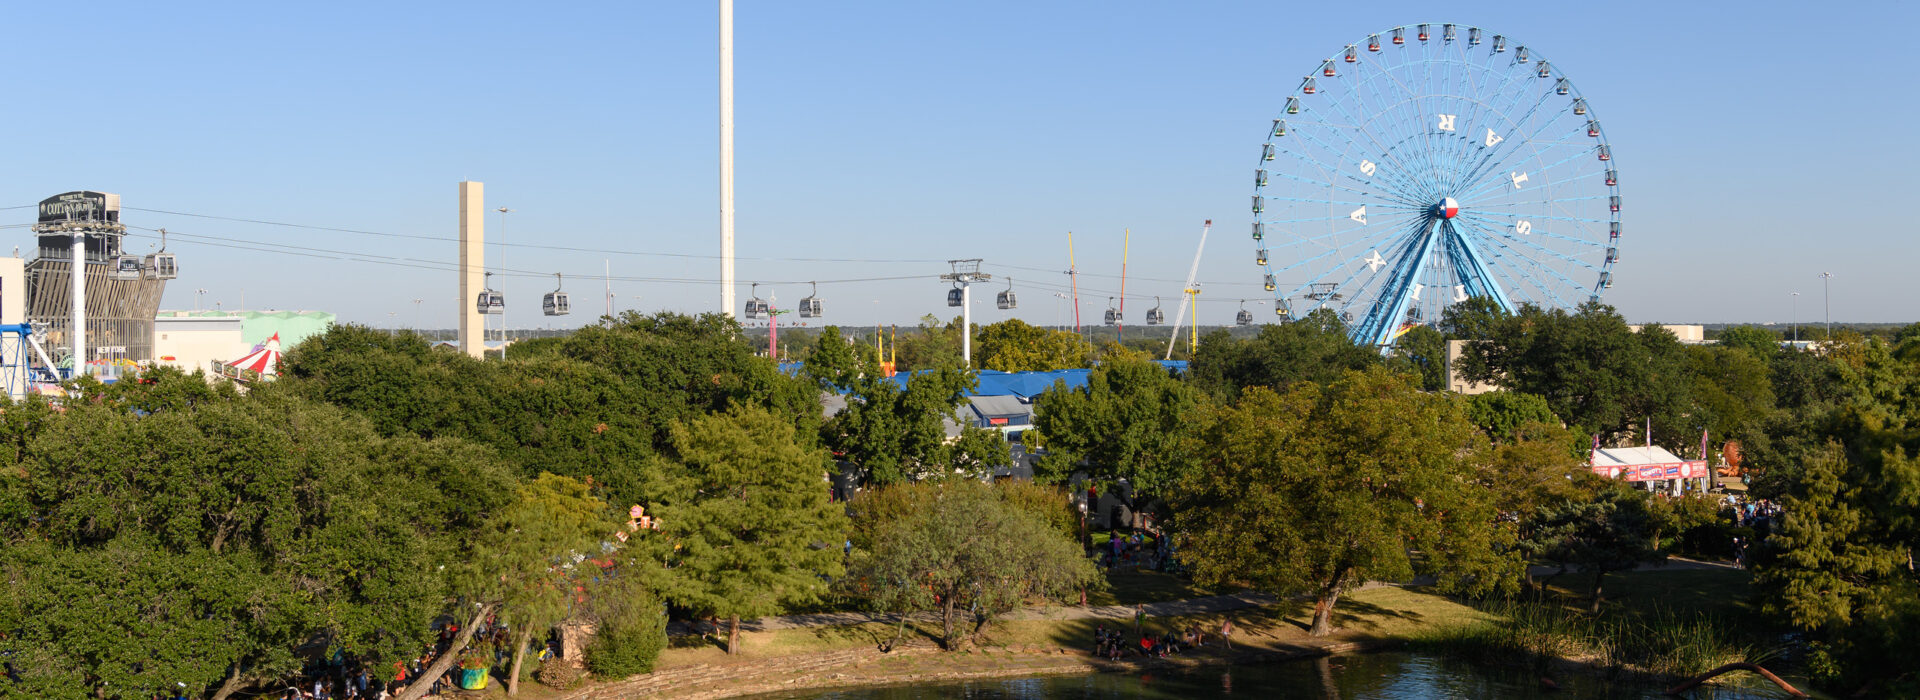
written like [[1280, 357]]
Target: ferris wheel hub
[[1447, 208]]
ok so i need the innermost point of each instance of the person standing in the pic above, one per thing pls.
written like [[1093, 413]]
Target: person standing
[[1226, 633], [1139, 618]]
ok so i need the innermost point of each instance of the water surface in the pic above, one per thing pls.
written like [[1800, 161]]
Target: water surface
[[1382, 676]]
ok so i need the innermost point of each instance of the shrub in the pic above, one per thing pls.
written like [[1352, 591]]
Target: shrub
[[555, 672], [629, 641]]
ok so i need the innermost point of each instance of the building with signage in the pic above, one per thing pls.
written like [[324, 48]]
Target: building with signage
[[1650, 466], [121, 291]]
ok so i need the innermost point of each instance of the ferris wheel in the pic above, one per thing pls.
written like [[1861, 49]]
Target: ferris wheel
[[1426, 165]]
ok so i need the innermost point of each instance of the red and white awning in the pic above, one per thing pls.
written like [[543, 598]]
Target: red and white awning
[[264, 361], [1645, 464]]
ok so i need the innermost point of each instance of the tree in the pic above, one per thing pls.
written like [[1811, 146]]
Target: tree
[[524, 564], [1594, 371], [286, 521], [1315, 348], [933, 345], [1423, 351], [1014, 346], [894, 432], [1615, 530], [1730, 388], [747, 527], [1501, 413], [1759, 342], [1322, 488], [959, 547], [1124, 424]]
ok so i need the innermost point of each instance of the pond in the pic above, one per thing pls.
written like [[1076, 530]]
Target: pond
[[1381, 676]]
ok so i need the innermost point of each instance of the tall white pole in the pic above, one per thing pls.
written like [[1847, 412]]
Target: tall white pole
[[726, 157], [79, 303], [966, 324]]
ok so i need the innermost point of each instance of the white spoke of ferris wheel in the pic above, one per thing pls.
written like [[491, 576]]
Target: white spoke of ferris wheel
[[1496, 159], [1506, 233], [1496, 179], [1343, 173], [1514, 262], [1397, 176], [1360, 234], [1529, 263], [1354, 154]]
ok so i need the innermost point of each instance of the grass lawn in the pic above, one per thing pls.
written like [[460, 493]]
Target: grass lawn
[[1134, 587], [1719, 592]]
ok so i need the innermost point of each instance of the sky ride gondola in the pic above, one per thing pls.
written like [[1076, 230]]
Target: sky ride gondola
[[757, 307], [810, 305], [161, 264], [1113, 314], [1155, 316], [1244, 317], [488, 301], [1007, 299], [1505, 204], [555, 302], [955, 297], [128, 267]]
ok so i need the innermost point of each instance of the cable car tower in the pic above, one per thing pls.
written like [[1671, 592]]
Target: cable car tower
[[965, 273], [103, 306]]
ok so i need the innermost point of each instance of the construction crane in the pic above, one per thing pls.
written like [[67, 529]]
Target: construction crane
[[1192, 292]]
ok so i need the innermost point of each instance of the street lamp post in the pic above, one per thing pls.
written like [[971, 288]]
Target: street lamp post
[[1796, 318], [1826, 292]]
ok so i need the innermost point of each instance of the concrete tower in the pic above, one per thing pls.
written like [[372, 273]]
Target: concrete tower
[[473, 266]]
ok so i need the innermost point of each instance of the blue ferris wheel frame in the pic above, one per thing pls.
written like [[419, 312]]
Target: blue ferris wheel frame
[[1452, 160]]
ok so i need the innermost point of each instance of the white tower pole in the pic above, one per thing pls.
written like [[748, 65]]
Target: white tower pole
[[726, 157], [966, 324], [79, 303]]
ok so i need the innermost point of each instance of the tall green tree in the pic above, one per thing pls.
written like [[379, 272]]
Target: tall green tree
[[1315, 348], [747, 528], [1125, 423], [525, 560], [1616, 529], [1322, 488], [285, 520], [959, 547], [1014, 346], [1594, 371], [895, 431]]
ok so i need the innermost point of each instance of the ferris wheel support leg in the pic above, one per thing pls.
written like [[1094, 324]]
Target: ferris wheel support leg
[[1380, 325], [1472, 268]]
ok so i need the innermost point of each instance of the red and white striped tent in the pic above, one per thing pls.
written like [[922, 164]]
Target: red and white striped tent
[[264, 362]]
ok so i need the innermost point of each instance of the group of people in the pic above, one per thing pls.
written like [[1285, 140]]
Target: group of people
[[344, 677], [1114, 644]]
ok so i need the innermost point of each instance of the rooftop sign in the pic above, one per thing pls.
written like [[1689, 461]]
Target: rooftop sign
[[80, 206]]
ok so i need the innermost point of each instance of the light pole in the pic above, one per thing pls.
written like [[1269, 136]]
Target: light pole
[[416, 313], [1826, 292], [197, 294], [1796, 318]]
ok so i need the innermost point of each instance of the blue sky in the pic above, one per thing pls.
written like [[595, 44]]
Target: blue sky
[[1758, 145]]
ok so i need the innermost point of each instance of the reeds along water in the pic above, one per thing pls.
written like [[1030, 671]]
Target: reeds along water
[[1659, 642]]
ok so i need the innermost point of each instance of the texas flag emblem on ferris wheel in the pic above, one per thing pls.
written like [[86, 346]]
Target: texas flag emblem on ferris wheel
[[1448, 208]]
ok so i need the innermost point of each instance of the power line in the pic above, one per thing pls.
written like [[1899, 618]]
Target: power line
[[537, 246], [442, 266]]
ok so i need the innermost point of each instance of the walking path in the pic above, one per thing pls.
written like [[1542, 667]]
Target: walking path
[[1175, 608], [1191, 606]]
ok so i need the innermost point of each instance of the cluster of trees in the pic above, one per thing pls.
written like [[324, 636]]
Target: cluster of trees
[[169, 531]]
